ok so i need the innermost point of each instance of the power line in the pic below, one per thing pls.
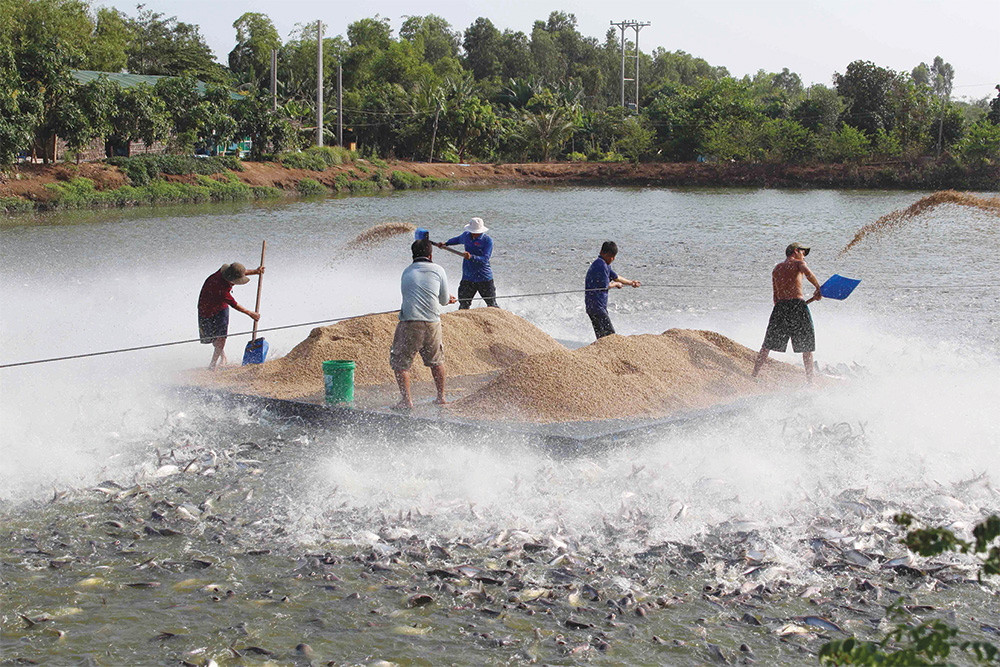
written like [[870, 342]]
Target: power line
[[504, 296]]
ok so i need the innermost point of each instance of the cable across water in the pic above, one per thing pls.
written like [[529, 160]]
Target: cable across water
[[153, 346]]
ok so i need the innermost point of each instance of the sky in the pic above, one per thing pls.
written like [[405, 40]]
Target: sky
[[814, 38]]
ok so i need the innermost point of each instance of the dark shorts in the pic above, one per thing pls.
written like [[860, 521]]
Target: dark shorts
[[468, 288], [215, 326], [790, 319], [602, 323]]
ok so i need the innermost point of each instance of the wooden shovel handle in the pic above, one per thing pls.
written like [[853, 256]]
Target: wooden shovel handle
[[260, 279], [452, 250]]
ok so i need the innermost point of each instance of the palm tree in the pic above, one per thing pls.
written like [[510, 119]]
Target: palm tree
[[546, 131]]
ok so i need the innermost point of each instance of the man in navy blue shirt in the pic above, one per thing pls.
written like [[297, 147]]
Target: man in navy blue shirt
[[600, 278], [477, 276]]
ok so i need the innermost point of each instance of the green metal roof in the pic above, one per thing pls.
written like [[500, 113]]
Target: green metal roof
[[125, 80]]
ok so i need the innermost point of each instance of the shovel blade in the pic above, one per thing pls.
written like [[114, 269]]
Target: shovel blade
[[838, 287], [255, 352]]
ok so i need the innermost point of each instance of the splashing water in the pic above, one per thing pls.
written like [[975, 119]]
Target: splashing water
[[890, 221]]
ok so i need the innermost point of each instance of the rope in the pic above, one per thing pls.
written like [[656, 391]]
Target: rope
[[477, 298]]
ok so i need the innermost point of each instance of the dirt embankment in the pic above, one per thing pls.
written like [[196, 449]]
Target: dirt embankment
[[29, 181]]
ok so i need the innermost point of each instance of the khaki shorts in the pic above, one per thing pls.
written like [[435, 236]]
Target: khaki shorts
[[414, 336]]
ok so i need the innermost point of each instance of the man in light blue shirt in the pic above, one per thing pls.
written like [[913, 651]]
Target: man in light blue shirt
[[424, 286]]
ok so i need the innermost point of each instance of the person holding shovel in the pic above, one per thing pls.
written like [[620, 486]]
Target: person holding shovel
[[600, 278], [790, 316], [477, 276], [424, 287], [213, 307]]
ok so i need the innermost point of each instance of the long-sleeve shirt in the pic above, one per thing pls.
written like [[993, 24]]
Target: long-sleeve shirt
[[599, 276], [424, 286], [477, 268]]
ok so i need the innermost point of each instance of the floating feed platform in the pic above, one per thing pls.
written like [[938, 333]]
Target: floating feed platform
[[507, 377]]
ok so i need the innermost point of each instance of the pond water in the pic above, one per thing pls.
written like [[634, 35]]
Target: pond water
[[353, 522]]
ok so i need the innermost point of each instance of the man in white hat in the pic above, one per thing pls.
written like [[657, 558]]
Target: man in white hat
[[477, 276], [213, 307]]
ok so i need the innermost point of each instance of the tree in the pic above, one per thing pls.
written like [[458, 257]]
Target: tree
[[994, 114], [266, 130], [481, 42], [432, 37], [85, 113], [169, 47], [108, 49], [636, 139], [545, 131], [942, 76], [138, 114], [256, 37], [866, 89]]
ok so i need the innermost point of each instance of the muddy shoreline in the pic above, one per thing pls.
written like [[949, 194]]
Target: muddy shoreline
[[28, 183]]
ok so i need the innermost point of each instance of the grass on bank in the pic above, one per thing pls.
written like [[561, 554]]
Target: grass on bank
[[81, 193]]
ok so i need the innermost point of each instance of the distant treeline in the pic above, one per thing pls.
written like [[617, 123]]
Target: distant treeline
[[432, 92]]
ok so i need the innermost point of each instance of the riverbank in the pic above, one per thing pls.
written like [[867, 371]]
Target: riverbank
[[99, 184]]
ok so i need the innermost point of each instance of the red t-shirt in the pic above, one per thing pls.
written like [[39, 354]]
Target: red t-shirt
[[216, 295]]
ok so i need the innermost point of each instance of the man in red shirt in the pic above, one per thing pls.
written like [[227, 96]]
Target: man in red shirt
[[213, 307]]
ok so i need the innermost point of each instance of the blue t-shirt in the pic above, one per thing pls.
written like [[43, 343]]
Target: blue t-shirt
[[477, 269], [599, 276]]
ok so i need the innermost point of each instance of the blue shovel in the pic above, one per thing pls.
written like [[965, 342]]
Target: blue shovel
[[837, 287], [256, 350]]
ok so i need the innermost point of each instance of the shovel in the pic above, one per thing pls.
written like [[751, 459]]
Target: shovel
[[256, 350], [422, 233]]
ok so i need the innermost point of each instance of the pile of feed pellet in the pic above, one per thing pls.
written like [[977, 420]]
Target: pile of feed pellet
[[644, 376], [891, 220], [476, 341]]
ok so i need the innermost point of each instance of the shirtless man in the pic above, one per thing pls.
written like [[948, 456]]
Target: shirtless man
[[790, 317]]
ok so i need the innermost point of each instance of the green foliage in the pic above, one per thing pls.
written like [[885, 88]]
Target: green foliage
[[250, 59], [576, 156], [867, 89], [928, 642], [404, 180], [847, 144], [80, 193], [142, 169], [308, 186], [381, 180], [12, 205], [342, 183], [363, 167], [363, 187], [980, 146], [636, 139], [434, 182], [378, 162]]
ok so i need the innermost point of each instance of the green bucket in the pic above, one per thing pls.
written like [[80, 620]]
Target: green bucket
[[338, 377]]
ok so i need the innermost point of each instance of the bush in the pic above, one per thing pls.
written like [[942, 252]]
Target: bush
[[266, 192], [379, 162], [404, 180], [363, 187], [141, 169], [381, 180], [434, 182], [577, 157], [847, 145], [15, 205], [363, 167], [981, 144], [612, 156], [342, 183], [80, 193], [308, 186], [317, 158]]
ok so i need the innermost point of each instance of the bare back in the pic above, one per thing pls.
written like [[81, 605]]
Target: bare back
[[786, 279]]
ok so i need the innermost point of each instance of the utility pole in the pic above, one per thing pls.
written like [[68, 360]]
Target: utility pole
[[274, 80], [340, 105], [637, 26], [319, 83]]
